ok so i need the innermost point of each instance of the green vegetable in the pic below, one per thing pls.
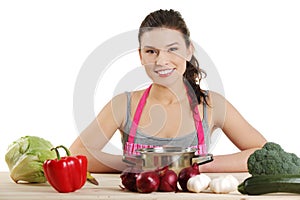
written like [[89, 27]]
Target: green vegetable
[[25, 158], [264, 184], [272, 160]]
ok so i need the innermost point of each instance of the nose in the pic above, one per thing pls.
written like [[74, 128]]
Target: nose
[[162, 58]]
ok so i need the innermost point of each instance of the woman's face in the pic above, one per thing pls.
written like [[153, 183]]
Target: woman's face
[[164, 53]]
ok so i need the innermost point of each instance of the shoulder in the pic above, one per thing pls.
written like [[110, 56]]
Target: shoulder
[[119, 99], [215, 99], [217, 106], [119, 103], [115, 108], [137, 93], [122, 98], [134, 96]]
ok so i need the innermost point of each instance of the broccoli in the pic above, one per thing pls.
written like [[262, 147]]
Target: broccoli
[[272, 160]]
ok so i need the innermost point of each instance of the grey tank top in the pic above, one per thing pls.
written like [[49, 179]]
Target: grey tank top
[[182, 141]]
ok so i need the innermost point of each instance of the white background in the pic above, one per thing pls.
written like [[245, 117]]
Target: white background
[[255, 46]]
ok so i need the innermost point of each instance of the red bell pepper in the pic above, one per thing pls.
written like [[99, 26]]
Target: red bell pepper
[[66, 174]]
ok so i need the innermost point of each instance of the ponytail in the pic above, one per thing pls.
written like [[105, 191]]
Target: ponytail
[[192, 77]]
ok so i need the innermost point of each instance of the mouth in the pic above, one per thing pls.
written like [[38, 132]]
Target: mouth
[[165, 72]]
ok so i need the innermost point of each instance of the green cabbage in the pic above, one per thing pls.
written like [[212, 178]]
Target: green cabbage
[[25, 158]]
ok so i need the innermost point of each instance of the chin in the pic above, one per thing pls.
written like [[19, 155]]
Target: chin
[[169, 82]]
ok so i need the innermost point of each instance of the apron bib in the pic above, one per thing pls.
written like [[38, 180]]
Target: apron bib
[[131, 147]]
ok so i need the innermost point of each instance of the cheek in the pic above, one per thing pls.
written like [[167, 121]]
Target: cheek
[[180, 57], [180, 62], [146, 60], [149, 69]]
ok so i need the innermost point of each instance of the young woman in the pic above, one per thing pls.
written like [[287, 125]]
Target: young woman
[[173, 110]]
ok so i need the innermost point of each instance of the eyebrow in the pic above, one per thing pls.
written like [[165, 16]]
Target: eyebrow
[[174, 43]]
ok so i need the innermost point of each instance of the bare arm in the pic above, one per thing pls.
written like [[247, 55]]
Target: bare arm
[[98, 161], [92, 140], [239, 131]]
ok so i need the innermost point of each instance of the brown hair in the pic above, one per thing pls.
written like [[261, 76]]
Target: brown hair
[[173, 20]]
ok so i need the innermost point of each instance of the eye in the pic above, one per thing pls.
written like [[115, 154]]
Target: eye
[[151, 51], [172, 49]]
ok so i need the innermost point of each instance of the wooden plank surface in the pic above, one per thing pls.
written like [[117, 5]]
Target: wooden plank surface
[[109, 189]]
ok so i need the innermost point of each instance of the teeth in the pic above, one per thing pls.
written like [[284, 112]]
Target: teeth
[[165, 71]]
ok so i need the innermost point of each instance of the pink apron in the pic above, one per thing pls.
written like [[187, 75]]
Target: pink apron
[[131, 147]]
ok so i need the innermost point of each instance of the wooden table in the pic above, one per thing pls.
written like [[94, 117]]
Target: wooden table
[[109, 189]]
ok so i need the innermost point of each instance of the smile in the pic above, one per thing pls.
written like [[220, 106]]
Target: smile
[[165, 72]]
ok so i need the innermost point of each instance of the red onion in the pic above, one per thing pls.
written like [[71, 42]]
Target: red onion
[[187, 173], [128, 178], [168, 180], [147, 182]]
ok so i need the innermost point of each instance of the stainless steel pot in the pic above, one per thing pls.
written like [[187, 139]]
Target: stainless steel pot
[[176, 158]]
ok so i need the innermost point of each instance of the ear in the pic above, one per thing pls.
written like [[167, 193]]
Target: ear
[[190, 52]]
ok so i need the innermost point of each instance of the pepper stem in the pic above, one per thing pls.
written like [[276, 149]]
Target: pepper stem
[[57, 152]]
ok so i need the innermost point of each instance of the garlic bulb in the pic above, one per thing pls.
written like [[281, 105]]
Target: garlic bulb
[[198, 183], [224, 184]]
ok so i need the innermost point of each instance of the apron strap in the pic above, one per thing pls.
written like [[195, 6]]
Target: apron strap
[[199, 127], [137, 115]]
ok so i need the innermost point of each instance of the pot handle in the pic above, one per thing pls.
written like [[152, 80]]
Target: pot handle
[[202, 159]]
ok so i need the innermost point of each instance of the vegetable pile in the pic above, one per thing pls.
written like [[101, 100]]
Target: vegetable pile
[[25, 158], [30, 159], [165, 180], [273, 170], [135, 180]]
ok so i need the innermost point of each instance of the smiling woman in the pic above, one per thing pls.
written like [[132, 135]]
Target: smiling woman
[[164, 55], [172, 111]]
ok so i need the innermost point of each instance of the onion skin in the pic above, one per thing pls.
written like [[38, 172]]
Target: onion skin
[[128, 178], [168, 181], [147, 182], [187, 173]]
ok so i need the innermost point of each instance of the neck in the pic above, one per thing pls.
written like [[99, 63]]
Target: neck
[[168, 95]]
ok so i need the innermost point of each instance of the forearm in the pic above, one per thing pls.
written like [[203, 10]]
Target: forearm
[[98, 161], [106, 163], [236, 162]]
